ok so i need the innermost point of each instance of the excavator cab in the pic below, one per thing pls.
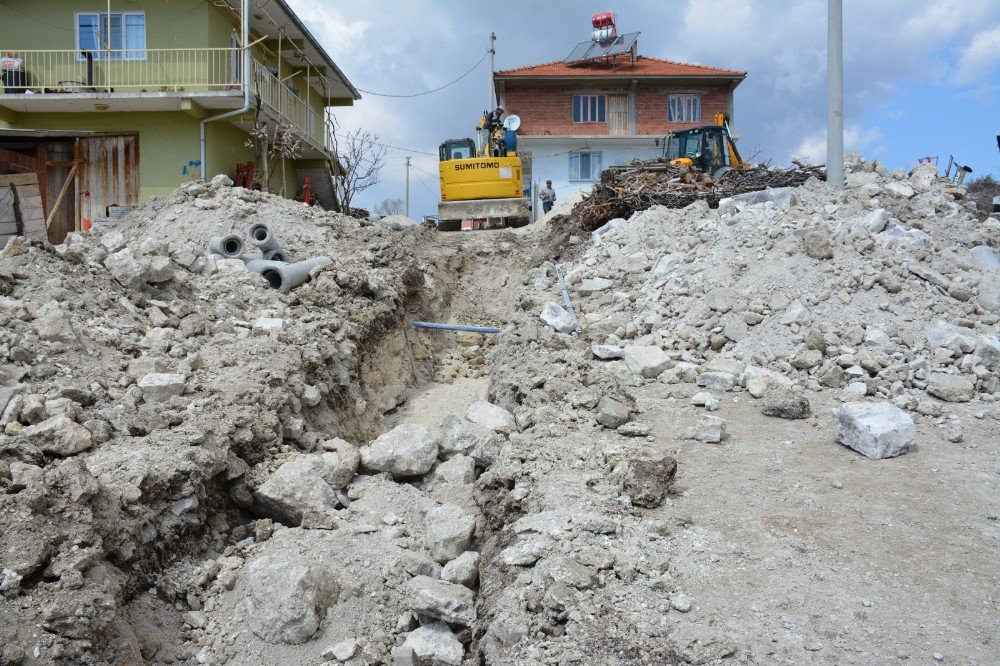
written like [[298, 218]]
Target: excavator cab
[[457, 149], [709, 148]]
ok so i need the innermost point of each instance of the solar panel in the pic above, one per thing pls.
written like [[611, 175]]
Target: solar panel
[[591, 50]]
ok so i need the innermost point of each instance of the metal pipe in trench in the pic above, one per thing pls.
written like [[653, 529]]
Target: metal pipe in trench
[[454, 327], [569, 303]]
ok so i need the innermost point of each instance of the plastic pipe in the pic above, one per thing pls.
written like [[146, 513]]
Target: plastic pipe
[[569, 303], [259, 265], [277, 255], [230, 246], [265, 241], [285, 277], [455, 327]]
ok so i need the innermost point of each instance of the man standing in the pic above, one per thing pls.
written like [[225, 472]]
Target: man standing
[[548, 197]]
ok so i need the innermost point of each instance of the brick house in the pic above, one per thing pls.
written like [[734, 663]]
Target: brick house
[[578, 119]]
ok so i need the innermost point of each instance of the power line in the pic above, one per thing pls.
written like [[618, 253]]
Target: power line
[[421, 181], [386, 145], [428, 92]]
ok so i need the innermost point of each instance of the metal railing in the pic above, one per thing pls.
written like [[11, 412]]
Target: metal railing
[[124, 70], [286, 103]]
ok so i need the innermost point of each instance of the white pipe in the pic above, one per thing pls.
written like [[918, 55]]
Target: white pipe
[[835, 94], [245, 41]]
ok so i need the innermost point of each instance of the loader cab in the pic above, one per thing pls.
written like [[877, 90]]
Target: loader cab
[[457, 149], [708, 148]]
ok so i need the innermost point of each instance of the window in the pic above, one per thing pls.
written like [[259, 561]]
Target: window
[[684, 108], [124, 32], [588, 108], [585, 166]]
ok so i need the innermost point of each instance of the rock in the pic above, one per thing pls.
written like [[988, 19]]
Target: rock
[[806, 359], [442, 600], [786, 403], [161, 386], [875, 221], [924, 177], [874, 429], [899, 189], [987, 352], [59, 435], [405, 451], [796, 313], [431, 645], [342, 651], [195, 619], [269, 324], [989, 291], [297, 490], [984, 257], [943, 334], [33, 408], [52, 324], [458, 469], [463, 570], [592, 285], [706, 400], [113, 240], [611, 413], [950, 388], [161, 269], [721, 299], [646, 481], [759, 381], [817, 244], [124, 268], [717, 381], [449, 531], [607, 352], [491, 416], [711, 429], [557, 318], [340, 462], [666, 264], [646, 361], [287, 597], [459, 436]]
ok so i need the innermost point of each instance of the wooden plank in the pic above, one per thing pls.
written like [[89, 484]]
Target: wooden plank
[[30, 178], [25, 191], [28, 200], [34, 212], [62, 195]]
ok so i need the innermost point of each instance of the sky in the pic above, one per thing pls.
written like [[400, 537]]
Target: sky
[[921, 77]]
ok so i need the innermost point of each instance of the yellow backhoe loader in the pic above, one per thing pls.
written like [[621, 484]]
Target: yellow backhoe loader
[[710, 148]]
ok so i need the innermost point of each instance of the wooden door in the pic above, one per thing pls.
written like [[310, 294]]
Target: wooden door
[[617, 115], [109, 173]]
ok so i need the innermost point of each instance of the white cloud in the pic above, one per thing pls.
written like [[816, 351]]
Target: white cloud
[[812, 149], [980, 58]]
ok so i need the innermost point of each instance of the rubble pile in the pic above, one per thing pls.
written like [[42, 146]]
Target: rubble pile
[[641, 184], [159, 405], [882, 298]]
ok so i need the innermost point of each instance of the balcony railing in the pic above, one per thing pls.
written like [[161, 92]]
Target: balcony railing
[[146, 70], [161, 70]]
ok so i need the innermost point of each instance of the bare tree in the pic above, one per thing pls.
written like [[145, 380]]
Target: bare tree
[[389, 207], [361, 158], [283, 143]]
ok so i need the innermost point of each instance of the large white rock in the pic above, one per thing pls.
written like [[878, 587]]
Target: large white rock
[[126, 269], [900, 189], [297, 490], [51, 323], [287, 597], [459, 436], [758, 381], [60, 435], [646, 360], [491, 416], [950, 388], [874, 429], [431, 645], [405, 451], [944, 334], [984, 257], [442, 600], [717, 381], [796, 313], [463, 570], [449, 531], [557, 318]]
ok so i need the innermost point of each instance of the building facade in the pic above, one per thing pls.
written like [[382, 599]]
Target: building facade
[[578, 119], [157, 93]]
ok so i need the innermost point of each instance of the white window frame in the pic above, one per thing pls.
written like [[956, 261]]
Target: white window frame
[[125, 50], [591, 177], [673, 100]]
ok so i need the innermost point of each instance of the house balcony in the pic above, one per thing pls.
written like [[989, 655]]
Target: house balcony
[[200, 81]]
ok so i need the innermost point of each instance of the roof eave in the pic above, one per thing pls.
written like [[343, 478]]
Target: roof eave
[[578, 77]]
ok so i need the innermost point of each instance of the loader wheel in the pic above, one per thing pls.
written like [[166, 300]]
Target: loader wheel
[[449, 225]]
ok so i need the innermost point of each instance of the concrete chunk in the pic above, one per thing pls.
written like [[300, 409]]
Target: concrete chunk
[[950, 388], [557, 318], [449, 531], [161, 386], [442, 600], [646, 361], [405, 451], [874, 429]]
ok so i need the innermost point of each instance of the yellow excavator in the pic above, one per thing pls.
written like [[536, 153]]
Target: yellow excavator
[[482, 180], [710, 148]]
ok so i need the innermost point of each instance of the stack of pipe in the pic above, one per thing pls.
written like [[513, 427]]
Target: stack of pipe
[[272, 262]]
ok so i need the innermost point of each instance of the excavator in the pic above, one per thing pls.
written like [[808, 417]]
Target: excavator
[[481, 180], [710, 148]]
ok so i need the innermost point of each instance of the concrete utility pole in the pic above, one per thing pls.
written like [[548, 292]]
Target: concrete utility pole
[[491, 97], [407, 186], [835, 94]]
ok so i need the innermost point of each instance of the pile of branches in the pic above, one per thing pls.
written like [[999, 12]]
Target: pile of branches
[[639, 185]]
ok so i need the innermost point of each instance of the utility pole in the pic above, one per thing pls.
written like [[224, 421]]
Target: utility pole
[[407, 186], [491, 98], [835, 94]]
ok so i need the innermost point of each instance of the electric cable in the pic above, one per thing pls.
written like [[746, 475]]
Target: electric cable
[[428, 92]]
